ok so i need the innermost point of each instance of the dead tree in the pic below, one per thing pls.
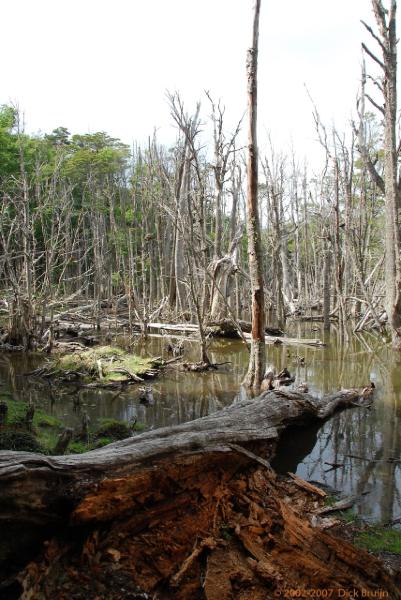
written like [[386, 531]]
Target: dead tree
[[391, 186], [32, 486], [257, 358]]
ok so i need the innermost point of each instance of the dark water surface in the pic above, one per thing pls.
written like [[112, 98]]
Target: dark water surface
[[366, 443]]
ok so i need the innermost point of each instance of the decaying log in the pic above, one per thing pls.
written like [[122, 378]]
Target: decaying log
[[184, 512], [229, 329], [343, 504], [33, 485], [277, 338]]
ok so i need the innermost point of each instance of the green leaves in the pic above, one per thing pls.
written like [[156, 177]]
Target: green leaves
[[9, 163], [95, 155]]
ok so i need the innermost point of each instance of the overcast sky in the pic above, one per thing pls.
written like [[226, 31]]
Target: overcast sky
[[93, 65]]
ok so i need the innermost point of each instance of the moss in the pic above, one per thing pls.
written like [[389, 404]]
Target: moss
[[330, 500], [139, 426], [48, 438], [380, 539], [42, 419], [348, 516], [45, 427], [78, 447], [109, 431], [24, 441], [103, 441], [108, 358], [115, 430]]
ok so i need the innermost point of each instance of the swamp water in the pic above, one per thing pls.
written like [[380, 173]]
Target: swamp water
[[363, 444]]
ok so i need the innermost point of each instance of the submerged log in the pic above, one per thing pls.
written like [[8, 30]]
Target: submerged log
[[184, 512]]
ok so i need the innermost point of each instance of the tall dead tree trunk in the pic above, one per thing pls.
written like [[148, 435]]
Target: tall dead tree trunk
[[326, 284], [257, 358], [387, 40]]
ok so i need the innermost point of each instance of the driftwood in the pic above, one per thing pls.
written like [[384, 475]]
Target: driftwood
[[277, 338], [229, 329]]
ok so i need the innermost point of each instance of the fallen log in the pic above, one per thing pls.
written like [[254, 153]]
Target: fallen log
[[276, 338], [343, 504], [191, 511], [32, 484], [229, 329], [290, 341]]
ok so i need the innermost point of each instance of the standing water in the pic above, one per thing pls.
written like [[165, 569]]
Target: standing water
[[357, 452]]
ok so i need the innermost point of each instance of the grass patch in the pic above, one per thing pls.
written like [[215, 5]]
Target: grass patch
[[330, 500], [380, 539], [348, 516]]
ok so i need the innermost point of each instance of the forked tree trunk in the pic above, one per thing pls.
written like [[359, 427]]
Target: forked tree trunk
[[257, 360]]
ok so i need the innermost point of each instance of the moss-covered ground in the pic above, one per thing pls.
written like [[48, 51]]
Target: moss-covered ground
[[380, 539], [43, 434], [104, 363]]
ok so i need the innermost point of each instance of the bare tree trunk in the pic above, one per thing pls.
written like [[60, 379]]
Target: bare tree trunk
[[326, 285], [387, 40], [257, 358]]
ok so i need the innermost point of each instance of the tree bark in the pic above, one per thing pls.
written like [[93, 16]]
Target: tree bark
[[387, 40], [185, 512], [34, 486], [257, 360]]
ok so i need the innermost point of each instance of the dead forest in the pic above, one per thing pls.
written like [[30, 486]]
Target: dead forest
[[91, 231], [211, 237]]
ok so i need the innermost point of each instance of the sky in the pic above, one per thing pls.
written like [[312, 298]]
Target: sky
[[96, 65]]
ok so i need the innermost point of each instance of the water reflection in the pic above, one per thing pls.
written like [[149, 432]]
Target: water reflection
[[363, 444]]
